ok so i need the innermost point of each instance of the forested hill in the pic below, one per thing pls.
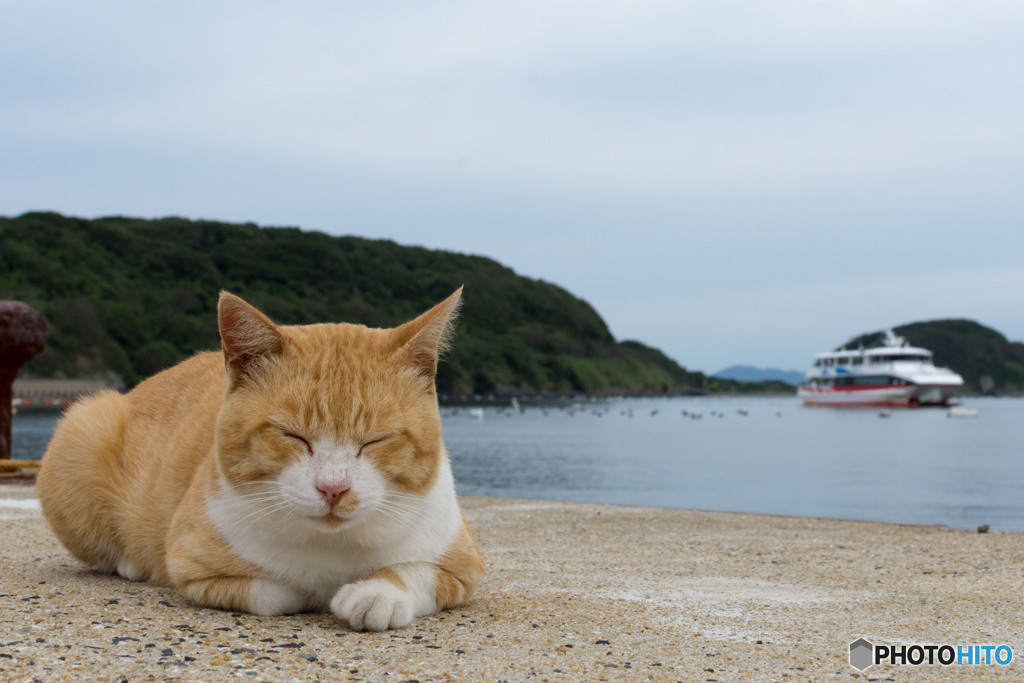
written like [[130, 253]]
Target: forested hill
[[134, 296], [987, 361]]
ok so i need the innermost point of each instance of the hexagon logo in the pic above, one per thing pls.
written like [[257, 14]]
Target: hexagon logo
[[862, 654]]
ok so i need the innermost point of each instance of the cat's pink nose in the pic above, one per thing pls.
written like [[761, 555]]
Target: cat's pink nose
[[331, 492]]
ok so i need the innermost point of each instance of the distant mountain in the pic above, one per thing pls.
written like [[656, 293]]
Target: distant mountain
[[987, 361], [748, 373]]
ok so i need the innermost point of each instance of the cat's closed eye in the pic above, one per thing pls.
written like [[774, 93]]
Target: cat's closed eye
[[376, 442], [296, 437]]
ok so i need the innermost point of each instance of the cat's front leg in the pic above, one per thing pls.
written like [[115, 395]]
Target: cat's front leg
[[204, 569], [213, 577], [395, 595], [390, 598], [256, 595]]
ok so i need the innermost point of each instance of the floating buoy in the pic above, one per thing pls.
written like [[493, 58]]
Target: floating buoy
[[961, 412]]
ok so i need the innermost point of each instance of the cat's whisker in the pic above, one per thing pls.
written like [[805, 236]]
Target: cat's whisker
[[261, 497], [259, 515], [269, 506], [404, 514], [385, 505], [398, 514], [265, 483], [263, 506], [392, 495]]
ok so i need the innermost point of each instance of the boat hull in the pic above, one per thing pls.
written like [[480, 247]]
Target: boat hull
[[907, 395]]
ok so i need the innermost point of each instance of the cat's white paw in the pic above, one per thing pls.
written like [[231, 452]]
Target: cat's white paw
[[128, 570], [268, 597], [372, 605]]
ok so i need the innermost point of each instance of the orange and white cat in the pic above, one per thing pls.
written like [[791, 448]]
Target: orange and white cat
[[301, 469]]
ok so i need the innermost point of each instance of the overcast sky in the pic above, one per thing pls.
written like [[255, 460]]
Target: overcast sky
[[732, 182]]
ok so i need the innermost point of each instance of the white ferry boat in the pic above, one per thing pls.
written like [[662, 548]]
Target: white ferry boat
[[893, 374]]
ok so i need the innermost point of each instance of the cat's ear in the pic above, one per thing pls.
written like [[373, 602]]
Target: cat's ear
[[423, 340], [247, 337]]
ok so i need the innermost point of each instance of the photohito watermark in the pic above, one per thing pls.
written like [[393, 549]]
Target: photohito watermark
[[865, 654]]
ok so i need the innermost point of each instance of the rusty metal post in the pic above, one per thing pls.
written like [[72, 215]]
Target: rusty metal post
[[23, 334]]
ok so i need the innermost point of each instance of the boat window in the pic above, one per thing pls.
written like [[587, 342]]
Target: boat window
[[870, 380], [903, 357], [859, 381], [817, 363], [859, 360], [842, 361]]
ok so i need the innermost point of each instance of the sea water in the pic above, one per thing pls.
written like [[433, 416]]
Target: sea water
[[763, 455]]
